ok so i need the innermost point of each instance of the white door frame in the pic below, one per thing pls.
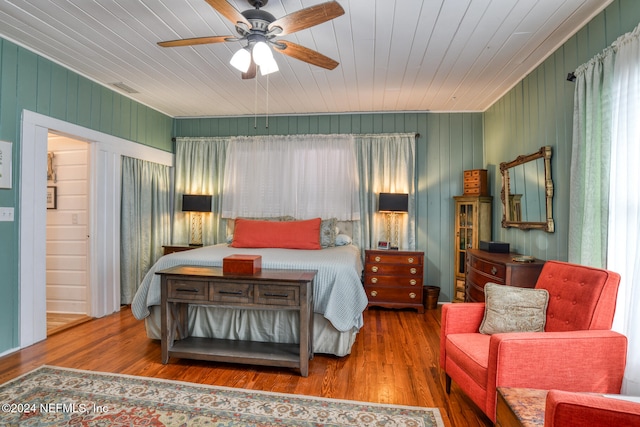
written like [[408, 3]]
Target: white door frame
[[104, 166]]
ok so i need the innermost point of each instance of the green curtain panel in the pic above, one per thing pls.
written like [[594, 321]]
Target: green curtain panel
[[200, 170], [386, 164], [591, 162], [145, 220]]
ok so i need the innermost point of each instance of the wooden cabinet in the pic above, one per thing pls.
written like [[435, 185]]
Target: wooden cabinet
[[393, 279], [488, 267], [268, 290], [472, 224]]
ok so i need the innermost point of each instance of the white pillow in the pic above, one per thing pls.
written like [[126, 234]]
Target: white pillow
[[343, 239]]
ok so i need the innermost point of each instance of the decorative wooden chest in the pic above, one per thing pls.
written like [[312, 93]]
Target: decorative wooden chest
[[242, 264], [475, 183]]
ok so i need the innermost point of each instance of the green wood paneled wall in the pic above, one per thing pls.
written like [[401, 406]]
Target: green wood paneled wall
[[536, 112], [449, 143], [29, 81], [539, 111]]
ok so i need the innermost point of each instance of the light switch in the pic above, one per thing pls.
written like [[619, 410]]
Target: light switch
[[6, 214]]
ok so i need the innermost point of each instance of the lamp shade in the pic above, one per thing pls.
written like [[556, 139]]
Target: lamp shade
[[393, 202], [262, 53], [241, 60], [196, 203], [268, 67]]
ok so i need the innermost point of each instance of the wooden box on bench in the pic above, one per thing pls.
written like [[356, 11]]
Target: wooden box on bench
[[242, 264]]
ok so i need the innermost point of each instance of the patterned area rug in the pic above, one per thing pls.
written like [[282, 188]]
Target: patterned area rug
[[50, 396]]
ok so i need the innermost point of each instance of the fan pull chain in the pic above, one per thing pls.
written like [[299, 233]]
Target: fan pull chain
[[267, 116], [255, 105]]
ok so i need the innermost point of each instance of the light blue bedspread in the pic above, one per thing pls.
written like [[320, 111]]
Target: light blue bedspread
[[338, 293]]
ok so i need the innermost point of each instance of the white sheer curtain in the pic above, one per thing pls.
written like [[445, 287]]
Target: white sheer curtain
[[304, 176], [624, 203]]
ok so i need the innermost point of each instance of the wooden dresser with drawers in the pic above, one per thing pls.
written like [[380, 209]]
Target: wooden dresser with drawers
[[393, 279], [489, 267]]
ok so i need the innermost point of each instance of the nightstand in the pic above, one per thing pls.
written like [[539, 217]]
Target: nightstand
[[393, 279], [169, 249]]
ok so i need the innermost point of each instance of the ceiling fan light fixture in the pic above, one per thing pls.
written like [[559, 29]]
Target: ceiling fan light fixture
[[269, 67], [241, 60], [258, 28], [262, 54]]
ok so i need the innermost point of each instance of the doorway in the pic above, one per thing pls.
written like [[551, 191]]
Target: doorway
[[104, 172], [67, 255]]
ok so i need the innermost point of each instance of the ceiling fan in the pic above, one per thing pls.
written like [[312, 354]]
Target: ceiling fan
[[259, 29]]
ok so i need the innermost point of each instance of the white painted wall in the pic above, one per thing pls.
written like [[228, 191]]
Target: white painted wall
[[67, 228]]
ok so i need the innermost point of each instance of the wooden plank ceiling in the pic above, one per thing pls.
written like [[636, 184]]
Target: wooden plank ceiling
[[406, 55]]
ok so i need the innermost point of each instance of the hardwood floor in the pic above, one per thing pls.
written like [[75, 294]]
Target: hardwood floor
[[58, 322], [394, 360]]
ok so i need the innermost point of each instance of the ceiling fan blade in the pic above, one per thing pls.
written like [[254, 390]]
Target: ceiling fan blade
[[195, 41], [251, 72], [306, 18], [305, 54], [231, 13]]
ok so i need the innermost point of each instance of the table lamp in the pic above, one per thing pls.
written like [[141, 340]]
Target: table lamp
[[392, 204], [196, 204]]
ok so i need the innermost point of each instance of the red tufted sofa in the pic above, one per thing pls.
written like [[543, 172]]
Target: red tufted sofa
[[576, 352]]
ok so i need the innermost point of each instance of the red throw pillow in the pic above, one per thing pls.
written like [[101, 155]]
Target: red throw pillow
[[250, 233]]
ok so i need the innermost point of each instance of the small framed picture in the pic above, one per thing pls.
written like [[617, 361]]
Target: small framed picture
[[52, 197], [5, 164], [383, 245]]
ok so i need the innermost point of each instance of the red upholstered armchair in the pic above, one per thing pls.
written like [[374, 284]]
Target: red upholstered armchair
[[576, 352], [565, 408]]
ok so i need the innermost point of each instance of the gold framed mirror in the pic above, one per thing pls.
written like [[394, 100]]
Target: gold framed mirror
[[527, 192]]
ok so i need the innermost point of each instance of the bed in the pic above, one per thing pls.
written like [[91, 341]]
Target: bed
[[339, 298]]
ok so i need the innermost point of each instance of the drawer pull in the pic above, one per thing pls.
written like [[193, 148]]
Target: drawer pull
[[374, 293], [271, 294], [377, 259], [190, 290], [374, 280], [494, 270], [374, 269], [413, 270], [412, 295], [410, 260], [413, 282], [230, 292]]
